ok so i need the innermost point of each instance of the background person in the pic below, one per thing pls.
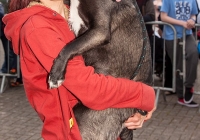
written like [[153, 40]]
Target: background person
[[148, 12], [182, 14]]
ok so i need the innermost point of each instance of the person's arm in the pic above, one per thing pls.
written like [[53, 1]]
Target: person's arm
[[99, 92], [166, 18], [193, 17], [105, 92], [96, 91], [186, 24], [137, 120], [191, 22]]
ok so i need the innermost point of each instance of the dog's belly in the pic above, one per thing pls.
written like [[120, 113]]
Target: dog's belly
[[121, 56]]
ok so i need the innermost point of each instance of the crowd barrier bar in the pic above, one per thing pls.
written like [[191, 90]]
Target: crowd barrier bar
[[5, 76], [162, 88], [197, 27], [196, 31], [183, 74]]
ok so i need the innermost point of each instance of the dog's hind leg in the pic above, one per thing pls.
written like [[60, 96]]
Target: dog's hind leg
[[126, 134]]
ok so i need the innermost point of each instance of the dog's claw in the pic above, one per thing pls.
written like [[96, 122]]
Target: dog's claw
[[53, 85]]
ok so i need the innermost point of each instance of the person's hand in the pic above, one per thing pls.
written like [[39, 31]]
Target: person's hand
[[134, 122], [118, 0], [149, 114], [190, 23], [185, 25], [137, 120]]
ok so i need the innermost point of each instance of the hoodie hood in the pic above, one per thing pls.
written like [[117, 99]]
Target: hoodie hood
[[14, 21]]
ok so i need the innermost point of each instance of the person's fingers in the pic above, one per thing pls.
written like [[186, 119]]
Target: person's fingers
[[135, 125], [149, 114], [190, 23], [186, 25], [135, 118], [135, 121]]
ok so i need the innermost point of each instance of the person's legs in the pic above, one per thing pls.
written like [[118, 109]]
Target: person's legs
[[168, 71], [191, 66], [191, 70], [18, 81], [4, 67], [179, 79], [12, 58], [158, 56], [191, 61], [168, 74]]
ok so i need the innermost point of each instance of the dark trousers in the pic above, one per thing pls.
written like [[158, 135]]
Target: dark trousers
[[10, 57], [191, 63]]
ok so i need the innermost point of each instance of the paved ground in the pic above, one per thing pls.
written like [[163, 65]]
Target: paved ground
[[18, 121]]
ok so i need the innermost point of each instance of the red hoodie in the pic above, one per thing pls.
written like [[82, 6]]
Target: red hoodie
[[38, 34]]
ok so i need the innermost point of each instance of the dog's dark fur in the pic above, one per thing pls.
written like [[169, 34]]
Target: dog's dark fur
[[114, 41]]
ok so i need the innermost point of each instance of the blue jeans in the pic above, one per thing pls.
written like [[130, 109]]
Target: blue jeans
[[9, 55]]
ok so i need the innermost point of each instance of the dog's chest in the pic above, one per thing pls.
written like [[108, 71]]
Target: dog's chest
[[75, 20]]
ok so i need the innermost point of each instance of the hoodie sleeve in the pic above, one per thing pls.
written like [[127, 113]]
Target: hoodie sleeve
[[95, 91], [98, 91]]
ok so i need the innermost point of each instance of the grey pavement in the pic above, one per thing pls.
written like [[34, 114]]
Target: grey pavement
[[18, 121]]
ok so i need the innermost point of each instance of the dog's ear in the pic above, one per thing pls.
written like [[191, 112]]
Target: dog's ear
[[67, 2]]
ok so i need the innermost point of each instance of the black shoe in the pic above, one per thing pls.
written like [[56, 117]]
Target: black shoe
[[191, 104], [188, 95]]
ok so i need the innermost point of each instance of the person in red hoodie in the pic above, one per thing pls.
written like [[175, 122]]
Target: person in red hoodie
[[38, 31]]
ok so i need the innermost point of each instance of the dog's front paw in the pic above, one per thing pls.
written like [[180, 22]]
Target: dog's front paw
[[54, 83], [57, 74]]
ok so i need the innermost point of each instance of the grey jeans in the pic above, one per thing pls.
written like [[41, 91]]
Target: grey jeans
[[191, 62]]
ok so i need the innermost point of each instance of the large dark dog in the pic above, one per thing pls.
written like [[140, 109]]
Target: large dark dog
[[112, 38]]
